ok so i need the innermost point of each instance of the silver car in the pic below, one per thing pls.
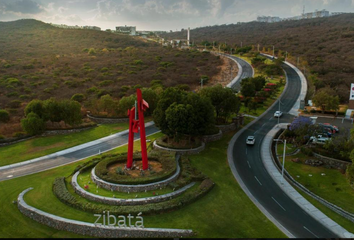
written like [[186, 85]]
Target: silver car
[[250, 140]]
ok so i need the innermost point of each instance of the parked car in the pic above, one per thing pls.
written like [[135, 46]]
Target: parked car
[[335, 128], [250, 140], [328, 128], [321, 141], [278, 114]]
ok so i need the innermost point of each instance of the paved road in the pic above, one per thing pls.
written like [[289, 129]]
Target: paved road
[[54, 162], [249, 165], [247, 71]]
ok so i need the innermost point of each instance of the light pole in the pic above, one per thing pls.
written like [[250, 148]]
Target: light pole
[[201, 82], [282, 170], [273, 52]]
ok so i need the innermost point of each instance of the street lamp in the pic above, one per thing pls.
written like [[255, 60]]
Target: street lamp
[[273, 52], [282, 170]]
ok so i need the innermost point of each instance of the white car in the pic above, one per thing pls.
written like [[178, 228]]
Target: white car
[[278, 114], [250, 140]]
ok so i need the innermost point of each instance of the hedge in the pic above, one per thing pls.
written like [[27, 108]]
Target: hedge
[[165, 158], [192, 194]]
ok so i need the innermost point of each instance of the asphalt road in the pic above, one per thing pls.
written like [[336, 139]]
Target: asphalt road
[[250, 167], [247, 72], [46, 164]]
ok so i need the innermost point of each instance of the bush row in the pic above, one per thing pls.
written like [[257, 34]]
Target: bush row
[[166, 159], [63, 194]]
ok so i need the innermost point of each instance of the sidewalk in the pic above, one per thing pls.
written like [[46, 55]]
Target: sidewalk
[[291, 192]]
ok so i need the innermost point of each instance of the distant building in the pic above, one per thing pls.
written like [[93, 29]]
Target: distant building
[[92, 28], [337, 13], [131, 30], [268, 19]]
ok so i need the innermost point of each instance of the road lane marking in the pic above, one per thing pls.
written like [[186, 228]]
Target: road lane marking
[[278, 204], [311, 232], [249, 165], [263, 125], [246, 150], [270, 119], [258, 180], [10, 176]]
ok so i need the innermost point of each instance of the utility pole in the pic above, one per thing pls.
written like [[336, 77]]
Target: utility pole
[[273, 52], [201, 82], [298, 61], [258, 47], [219, 48], [241, 44], [286, 55]]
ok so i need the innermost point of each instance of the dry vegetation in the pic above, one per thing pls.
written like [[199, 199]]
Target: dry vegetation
[[325, 45], [39, 61]]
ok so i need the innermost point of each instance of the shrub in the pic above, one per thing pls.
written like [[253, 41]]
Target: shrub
[[4, 116], [33, 124], [105, 83], [92, 90], [78, 97], [307, 151], [15, 104], [19, 135]]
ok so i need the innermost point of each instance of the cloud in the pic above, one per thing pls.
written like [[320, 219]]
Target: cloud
[[21, 6]]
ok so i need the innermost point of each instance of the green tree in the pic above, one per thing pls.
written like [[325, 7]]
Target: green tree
[[33, 124], [258, 82], [71, 112], [4, 116], [326, 99], [180, 119], [53, 110], [224, 101], [151, 97], [108, 104], [247, 88], [126, 103], [36, 106], [167, 98]]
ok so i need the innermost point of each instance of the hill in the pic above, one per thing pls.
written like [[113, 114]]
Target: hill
[[38, 60], [325, 46]]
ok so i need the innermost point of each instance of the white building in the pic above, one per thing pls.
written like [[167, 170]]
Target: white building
[[131, 30], [268, 19]]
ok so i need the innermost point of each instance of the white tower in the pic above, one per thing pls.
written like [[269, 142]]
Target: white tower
[[188, 36]]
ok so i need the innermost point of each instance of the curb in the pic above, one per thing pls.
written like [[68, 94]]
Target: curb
[[269, 164]]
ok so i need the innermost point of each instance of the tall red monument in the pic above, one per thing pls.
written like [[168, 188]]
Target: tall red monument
[[136, 122]]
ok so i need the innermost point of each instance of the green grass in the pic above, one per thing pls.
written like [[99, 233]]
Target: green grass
[[224, 212], [85, 179], [41, 146], [332, 186]]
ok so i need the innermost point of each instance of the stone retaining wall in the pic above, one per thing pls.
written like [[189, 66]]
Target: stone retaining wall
[[181, 151], [10, 142], [227, 128], [212, 138], [90, 229], [119, 201], [100, 120], [333, 163], [134, 188]]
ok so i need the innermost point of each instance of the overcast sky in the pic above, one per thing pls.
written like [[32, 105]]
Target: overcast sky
[[160, 14]]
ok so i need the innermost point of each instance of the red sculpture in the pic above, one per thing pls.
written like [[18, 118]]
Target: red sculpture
[[134, 125]]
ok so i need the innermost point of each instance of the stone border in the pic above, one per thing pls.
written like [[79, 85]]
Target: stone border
[[332, 162], [102, 120], [134, 188], [274, 172], [121, 201], [90, 229], [227, 128], [181, 151], [212, 138]]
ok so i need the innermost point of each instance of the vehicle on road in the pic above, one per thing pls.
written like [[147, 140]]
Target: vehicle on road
[[278, 114], [250, 140]]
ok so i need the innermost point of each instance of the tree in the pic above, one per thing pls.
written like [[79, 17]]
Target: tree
[[258, 82], [180, 119], [33, 124], [247, 88], [107, 103], [151, 97], [167, 98], [126, 103], [36, 106], [71, 112], [53, 110], [4, 116], [326, 99], [224, 101]]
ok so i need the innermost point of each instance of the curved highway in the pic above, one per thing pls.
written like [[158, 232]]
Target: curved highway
[[250, 168], [247, 71], [48, 163]]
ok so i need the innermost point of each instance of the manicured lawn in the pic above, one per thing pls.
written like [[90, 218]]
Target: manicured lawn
[[330, 184], [224, 212], [42, 146]]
